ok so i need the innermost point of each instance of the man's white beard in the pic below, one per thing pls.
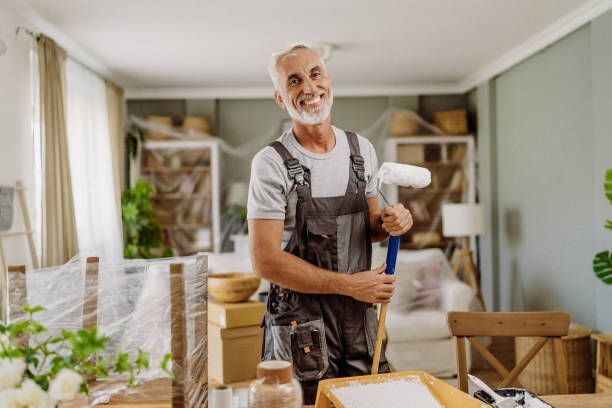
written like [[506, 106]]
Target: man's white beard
[[309, 118]]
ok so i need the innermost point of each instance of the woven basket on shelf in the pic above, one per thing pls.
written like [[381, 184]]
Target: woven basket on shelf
[[163, 123], [196, 124], [404, 123], [539, 375], [453, 122]]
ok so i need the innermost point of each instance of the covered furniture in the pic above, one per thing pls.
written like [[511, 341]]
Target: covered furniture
[[426, 289], [156, 305]]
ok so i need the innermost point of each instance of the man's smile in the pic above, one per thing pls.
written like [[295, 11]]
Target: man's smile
[[312, 103]]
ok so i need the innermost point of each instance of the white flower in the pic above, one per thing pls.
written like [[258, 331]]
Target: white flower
[[32, 396], [11, 372], [65, 385], [10, 398]]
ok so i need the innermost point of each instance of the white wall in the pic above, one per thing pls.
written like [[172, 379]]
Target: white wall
[[16, 147]]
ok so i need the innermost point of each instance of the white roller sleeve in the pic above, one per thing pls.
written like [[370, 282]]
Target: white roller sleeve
[[403, 175]]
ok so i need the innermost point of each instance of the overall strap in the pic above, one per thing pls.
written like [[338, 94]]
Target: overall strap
[[357, 162], [294, 168]]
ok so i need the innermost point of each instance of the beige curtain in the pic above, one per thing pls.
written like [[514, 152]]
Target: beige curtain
[[116, 118], [59, 236]]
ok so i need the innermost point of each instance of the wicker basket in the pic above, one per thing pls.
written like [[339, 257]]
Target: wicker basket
[[539, 375], [452, 122], [164, 123], [603, 370], [404, 123], [196, 124]]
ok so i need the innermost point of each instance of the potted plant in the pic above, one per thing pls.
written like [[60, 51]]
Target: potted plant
[[602, 262], [51, 369], [235, 215], [236, 218], [142, 232]]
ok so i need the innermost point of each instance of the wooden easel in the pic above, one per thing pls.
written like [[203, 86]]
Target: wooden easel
[[463, 258], [28, 233]]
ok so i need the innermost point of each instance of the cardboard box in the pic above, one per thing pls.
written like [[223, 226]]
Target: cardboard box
[[233, 354], [230, 315]]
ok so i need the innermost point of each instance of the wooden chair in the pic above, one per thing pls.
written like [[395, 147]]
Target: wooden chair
[[546, 325]]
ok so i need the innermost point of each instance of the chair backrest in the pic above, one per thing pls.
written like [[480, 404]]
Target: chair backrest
[[549, 326]]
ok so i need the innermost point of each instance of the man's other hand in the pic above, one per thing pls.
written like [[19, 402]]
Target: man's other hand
[[396, 219]]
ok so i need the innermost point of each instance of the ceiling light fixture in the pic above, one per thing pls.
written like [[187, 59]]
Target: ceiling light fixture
[[325, 50]]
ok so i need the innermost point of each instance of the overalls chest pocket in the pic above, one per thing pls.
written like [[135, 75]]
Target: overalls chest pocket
[[322, 241]]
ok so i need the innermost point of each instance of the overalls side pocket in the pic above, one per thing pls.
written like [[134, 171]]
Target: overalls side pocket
[[304, 345], [309, 350]]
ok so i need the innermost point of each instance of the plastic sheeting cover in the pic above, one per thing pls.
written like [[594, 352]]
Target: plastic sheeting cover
[[134, 307]]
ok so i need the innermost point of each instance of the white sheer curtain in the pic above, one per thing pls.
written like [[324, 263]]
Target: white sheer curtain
[[96, 212]]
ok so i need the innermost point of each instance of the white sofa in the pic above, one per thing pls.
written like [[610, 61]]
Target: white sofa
[[418, 335]]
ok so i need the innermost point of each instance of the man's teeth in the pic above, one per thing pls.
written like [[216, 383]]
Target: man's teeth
[[312, 100]]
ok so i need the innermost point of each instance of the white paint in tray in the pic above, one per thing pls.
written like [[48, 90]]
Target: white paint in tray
[[390, 394]]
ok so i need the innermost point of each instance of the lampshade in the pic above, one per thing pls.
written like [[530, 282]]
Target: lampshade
[[237, 194], [460, 220]]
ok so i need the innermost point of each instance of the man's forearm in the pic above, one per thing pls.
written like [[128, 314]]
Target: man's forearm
[[291, 272]]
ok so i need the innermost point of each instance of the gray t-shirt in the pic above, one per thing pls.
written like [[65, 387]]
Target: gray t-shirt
[[271, 195]]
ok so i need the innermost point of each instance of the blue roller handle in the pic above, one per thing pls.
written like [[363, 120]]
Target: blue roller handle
[[392, 249]]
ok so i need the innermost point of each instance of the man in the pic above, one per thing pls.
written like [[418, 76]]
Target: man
[[313, 214]]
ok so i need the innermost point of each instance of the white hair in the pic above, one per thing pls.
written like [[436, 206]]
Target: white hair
[[277, 56]]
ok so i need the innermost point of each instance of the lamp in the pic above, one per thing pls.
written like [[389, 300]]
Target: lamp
[[462, 221]]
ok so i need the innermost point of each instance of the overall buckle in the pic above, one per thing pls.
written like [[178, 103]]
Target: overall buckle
[[358, 166], [295, 170]]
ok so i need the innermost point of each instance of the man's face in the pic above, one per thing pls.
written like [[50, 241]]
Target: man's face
[[304, 87]]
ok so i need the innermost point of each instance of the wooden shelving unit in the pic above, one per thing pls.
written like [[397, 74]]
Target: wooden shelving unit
[[451, 162], [182, 169], [174, 166]]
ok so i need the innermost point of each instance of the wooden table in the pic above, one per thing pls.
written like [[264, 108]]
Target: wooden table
[[570, 401], [557, 401], [579, 400]]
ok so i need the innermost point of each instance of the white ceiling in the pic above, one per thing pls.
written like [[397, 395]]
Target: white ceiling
[[223, 44]]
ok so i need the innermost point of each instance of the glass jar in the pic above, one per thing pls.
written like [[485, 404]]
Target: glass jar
[[275, 386]]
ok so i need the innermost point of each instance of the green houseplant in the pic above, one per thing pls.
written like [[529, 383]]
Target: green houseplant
[[143, 234], [602, 262]]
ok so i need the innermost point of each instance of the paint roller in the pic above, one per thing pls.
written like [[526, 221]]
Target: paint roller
[[403, 175]]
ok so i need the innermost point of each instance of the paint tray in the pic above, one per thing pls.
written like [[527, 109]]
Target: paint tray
[[447, 395]]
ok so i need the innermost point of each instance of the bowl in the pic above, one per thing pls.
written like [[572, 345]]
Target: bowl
[[232, 287]]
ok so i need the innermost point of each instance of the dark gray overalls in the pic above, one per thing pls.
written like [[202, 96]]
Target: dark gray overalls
[[325, 336]]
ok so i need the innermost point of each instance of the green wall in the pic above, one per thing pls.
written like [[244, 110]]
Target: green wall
[[601, 68], [545, 139]]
